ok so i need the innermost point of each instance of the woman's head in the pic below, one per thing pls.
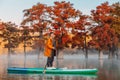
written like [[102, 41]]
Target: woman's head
[[52, 35]]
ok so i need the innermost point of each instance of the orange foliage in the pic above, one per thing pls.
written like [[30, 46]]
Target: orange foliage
[[103, 35], [35, 16], [2, 26], [59, 18]]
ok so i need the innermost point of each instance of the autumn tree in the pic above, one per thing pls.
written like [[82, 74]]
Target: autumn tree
[[116, 21], [104, 36], [36, 17], [116, 24], [81, 31], [58, 18], [10, 35], [63, 16]]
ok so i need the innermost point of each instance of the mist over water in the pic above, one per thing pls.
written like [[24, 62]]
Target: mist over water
[[109, 69]]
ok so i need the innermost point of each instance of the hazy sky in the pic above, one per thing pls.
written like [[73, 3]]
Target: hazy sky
[[12, 10]]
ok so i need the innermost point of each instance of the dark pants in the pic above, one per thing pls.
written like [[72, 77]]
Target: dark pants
[[50, 60]]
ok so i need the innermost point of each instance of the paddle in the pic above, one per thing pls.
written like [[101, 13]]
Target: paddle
[[44, 68]]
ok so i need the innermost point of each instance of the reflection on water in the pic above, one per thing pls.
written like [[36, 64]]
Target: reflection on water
[[108, 69], [51, 77]]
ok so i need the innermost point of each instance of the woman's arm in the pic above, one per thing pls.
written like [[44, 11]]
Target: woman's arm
[[49, 44]]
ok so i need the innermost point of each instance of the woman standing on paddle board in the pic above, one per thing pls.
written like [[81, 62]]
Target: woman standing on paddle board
[[50, 48]]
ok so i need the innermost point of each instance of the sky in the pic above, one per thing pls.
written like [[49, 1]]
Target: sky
[[12, 10]]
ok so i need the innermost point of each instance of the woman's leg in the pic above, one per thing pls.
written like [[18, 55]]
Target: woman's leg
[[52, 59], [48, 61]]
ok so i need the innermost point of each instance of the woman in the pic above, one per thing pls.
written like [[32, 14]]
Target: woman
[[50, 50]]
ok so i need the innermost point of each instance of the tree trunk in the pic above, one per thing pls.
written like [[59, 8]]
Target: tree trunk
[[110, 55], [9, 52], [60, 55], [25, 55], [86, 49], [39, 49], [101, 63], [100, 54], [118, 54], [39, 56], [112, 51]]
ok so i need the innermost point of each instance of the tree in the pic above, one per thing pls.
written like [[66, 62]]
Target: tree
[[116, 21], [10, 34], [63, 17], [81, 30], [36, 17], [116, 24], [58, 18], [104, 36]]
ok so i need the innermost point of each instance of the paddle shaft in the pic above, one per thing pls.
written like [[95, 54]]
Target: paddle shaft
[[44, 68]]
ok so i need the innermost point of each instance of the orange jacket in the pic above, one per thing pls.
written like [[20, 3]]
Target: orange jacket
[[48, 48]]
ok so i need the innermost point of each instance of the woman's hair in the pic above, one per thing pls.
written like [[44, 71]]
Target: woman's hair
[[50, 33]]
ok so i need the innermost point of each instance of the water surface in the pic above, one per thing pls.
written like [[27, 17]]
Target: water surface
[[109, 69]]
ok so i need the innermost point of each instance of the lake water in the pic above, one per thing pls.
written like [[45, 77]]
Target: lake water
[[109, 69]]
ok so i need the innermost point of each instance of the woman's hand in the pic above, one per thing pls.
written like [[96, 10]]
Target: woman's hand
[[54, 48]]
